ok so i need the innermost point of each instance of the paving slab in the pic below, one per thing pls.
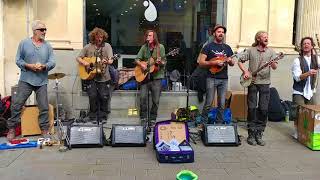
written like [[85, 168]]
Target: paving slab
[[282, 158]]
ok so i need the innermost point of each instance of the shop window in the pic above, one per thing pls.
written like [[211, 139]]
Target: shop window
[[179, 23]]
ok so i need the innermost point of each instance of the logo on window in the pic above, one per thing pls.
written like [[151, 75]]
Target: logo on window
[[151, 12]]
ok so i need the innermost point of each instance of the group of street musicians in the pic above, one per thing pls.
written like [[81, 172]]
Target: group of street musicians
[[35, 59]]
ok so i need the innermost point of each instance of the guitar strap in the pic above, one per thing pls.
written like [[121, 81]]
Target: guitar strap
[[158, 51]]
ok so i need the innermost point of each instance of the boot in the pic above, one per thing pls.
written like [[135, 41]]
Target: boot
[[11, 134], [251, 138], [258, 137]]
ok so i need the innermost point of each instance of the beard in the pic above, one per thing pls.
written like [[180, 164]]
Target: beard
[[263, 43], [42, 37], [219, 38]]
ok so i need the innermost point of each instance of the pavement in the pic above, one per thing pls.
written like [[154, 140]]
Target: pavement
[[282, 158]]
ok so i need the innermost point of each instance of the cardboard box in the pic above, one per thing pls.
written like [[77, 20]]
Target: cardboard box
[[309, 126], [30, 122], [238, 105]]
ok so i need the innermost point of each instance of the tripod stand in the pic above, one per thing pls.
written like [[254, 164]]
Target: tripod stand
[[61, 133]]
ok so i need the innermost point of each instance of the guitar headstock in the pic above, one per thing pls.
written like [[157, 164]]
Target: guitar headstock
[[116, 56], [239, 54], [280, 56], [174, 52], [318, 42], [297, 48]]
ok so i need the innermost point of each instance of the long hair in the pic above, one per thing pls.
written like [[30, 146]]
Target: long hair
[[314, 62], [97, 31], [155, 37], [256, 37], [301, 44]]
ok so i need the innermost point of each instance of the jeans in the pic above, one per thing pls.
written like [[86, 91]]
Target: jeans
[[24, 91], [257, 116], [155, 88], [213, 85], [99, 95]]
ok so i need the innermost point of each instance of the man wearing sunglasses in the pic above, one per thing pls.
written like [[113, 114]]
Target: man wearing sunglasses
[[35, 59]]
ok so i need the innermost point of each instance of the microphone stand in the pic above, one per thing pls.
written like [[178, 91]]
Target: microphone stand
[[149, 80], [97, 91]]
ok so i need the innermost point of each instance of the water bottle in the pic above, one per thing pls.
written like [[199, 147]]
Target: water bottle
[[287, 116]]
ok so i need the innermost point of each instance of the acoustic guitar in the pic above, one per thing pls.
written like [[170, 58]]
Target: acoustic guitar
[[153, 67], [88, 73], [247, 82]]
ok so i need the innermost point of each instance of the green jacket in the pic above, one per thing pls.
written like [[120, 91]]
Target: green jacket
[[144, 55]]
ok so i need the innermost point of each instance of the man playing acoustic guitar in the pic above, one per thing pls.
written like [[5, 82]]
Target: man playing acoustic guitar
[[151, 56], [216, 55], [98, 87], [258, 55]]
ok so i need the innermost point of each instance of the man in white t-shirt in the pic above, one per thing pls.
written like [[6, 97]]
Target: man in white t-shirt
[[304, 72]]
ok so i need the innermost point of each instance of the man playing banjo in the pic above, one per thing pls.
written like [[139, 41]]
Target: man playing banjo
[[258, 55]]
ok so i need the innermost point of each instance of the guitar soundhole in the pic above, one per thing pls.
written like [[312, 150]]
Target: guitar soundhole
[[90, 68]]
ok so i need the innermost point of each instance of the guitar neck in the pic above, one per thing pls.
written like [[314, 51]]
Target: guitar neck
[[260, 68]]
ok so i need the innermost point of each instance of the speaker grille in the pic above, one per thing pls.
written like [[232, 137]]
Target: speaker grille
[[221, 134], [128, 134], [85, 135]]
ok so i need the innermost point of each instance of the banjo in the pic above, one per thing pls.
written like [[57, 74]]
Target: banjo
[[247, 82]]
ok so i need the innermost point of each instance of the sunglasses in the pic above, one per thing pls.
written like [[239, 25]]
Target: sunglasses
[[42, 29]]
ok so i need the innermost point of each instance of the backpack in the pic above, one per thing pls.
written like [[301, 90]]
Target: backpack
[[5, 113], [212, 115], [5, 104], [276, 111], [114, 74]]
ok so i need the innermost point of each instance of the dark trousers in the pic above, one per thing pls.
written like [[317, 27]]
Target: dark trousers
[[154, 87], [24, 91], [257, 116], [99, 95]]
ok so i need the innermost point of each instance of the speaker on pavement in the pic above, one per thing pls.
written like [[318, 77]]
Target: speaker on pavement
[[124, 135], [220, 135], [86, 135]]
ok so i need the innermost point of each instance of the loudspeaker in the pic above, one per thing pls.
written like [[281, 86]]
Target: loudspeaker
[[128, 135], [86, 136], [220, 135]]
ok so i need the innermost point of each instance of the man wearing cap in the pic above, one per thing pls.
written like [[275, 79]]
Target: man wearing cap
[[257, 55], [35, 59], [219, 80]]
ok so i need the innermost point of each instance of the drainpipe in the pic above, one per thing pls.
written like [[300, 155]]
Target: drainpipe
[[2, 84], [28, 16]]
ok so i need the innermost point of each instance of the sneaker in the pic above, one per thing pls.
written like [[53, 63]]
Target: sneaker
[[11, 134]]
